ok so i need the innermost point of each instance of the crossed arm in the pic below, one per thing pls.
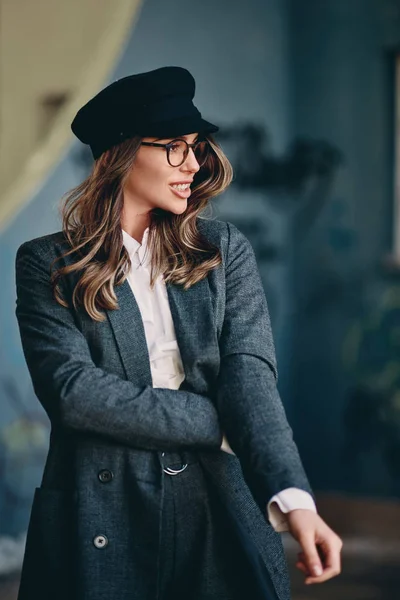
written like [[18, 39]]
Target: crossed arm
[[81, 396]]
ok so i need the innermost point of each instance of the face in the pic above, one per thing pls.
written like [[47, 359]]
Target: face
[[152, 182]]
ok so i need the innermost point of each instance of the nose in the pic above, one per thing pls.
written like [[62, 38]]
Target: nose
[[191, 163]]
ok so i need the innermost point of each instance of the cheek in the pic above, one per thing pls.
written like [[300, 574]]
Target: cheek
[[147, 179]]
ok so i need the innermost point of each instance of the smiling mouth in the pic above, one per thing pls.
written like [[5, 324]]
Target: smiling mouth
[[181, 190], [181, 187]]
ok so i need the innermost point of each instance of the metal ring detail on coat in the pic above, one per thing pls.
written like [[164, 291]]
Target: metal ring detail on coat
[[170, 471]]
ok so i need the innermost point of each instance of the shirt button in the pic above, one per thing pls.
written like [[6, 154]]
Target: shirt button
[[105, 475], [100, 541]]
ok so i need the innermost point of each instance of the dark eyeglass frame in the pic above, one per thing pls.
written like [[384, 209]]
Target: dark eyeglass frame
[[186, 151]]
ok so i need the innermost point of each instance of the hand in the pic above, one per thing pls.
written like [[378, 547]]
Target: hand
[[320, 559]]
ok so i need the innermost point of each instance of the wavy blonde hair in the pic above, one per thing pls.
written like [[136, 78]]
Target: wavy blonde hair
[[91, 222]]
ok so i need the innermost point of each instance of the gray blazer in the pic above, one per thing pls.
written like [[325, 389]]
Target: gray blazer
[[94, 381]]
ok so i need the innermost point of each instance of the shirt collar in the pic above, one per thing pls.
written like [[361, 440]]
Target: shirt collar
[[134, 248]]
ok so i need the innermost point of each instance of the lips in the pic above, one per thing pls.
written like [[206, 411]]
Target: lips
[[181, 193], [181, 182]]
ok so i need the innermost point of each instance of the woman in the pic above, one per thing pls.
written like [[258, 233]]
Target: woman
[[145, 330]]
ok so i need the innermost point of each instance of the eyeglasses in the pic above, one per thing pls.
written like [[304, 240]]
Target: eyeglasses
[[178, 150]]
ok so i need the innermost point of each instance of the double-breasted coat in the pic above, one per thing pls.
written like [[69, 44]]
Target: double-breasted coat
[[94, 381]]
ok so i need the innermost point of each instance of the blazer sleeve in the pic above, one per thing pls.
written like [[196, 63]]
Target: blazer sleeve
[[78, 395], [250, 409]]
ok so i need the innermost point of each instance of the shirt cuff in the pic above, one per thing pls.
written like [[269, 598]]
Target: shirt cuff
[[285, 501]]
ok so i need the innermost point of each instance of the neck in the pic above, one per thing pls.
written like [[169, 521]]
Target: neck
[[135, 224]]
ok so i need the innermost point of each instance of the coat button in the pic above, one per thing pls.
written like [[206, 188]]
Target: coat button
[[100, 541], [105, 475]]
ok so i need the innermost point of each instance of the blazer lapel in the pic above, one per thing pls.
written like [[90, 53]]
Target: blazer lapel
[[195, 329], [196, 334], [128, 328]]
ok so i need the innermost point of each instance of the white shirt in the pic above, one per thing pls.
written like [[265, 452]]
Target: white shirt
[[166, 365]]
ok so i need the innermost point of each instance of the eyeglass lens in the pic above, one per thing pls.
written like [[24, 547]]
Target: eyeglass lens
[[179, 150]]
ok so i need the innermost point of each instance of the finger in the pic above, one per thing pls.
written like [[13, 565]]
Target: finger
[[327, 574], [311, 556], [301, 559], [332, 561], [302, 567], [331, 550]]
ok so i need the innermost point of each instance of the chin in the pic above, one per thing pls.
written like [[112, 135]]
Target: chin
[[177, 210]]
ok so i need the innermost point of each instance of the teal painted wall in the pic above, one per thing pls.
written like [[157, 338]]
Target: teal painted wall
[[342, 92]]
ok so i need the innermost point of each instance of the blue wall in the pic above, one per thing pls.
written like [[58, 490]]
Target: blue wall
[[341, 91]]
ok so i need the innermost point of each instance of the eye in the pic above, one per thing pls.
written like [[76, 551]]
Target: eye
[[174, 147]]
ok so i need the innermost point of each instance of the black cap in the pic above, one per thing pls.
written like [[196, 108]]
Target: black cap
[[156, 104]]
